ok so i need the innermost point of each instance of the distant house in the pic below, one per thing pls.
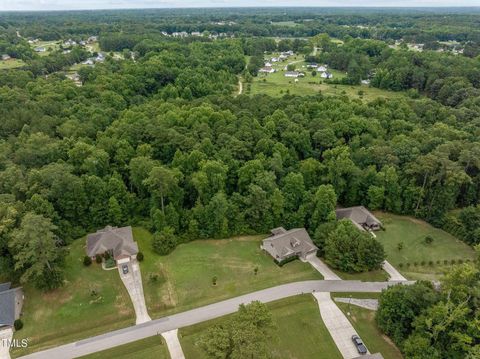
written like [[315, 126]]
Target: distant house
[[267, 70], [196, 33], [6, 57], [11, 303], [89, 62], [283, 244], [365, 82], [274, 59], [322, 68], [327, 75], [268, 64], [40, 49], [294, 74], [116, 241], [361, 217], [92, 39], [312, 65]]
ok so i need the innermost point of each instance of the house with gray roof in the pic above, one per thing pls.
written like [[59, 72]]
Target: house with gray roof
[[11, 303], [361, 217], [114, 240], [283, 244]]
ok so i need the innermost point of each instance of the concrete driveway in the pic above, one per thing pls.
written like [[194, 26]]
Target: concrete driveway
[[5, 336], [338, 325], [198, 315], [173, 344], [133, 282], [392, 272], [321, 267]]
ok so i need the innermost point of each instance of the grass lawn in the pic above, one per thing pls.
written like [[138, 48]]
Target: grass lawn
[[11, 64], [50, 46], [363, 320], [412, 232], [149, 348], [372, 276], [277, 84], [358, 295], [299, 332], [71, 312], [185, 276]]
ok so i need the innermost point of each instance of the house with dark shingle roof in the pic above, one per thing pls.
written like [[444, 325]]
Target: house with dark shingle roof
[[11, 303], [361, 217], [116, 241], [283, 244]]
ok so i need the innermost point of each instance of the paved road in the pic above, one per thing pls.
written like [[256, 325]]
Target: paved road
[[317, 263], [173, 344], [338, 325], [133, 282], [198, 315], [393, 272], [5, 337]]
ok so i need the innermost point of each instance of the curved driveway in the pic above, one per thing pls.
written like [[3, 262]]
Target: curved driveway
[[194, 316]]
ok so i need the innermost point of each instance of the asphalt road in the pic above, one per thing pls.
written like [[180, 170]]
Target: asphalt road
[[194, 316]]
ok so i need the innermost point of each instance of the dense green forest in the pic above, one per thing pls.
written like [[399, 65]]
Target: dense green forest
[[158, 138]]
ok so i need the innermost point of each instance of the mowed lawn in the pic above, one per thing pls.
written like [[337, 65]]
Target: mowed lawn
[[277, 84], [299, 332], [72, 312], [185, 276], [412, 232], [149, 348], [363, 320], [11, 64]]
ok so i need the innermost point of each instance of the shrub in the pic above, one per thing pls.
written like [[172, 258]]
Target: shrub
[[18, 324], [255, 270], [401, 265], [98, 258], [460, 261], [87, 261], [164, 242], [106, 255], [214, 280], [445, 261], [430, 263], [408, 264], [428, 239], [422, 263], [452, 261], [415, 264], [400, 246], [140, 256], [153, 277], [438, 261], [285, 261], [361, 93], [109, 263]]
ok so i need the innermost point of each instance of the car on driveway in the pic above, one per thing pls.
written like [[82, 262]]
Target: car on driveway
[[125, 269], [362, 349]]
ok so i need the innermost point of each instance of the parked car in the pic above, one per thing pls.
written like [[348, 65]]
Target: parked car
[[125, 269], [362, 349]]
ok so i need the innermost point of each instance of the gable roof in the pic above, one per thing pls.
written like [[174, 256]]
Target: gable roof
[[358, 215], [283, 244], [118, 240], [11, 301]]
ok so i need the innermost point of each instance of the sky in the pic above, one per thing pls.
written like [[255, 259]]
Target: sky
[[6, 5]]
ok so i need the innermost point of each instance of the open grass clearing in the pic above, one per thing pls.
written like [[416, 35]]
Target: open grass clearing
[[149, 348], [185, 276], [299, 332], [276, 84], [412, 233], [11, 64], [72, 312], [372, 276], [363, 320]]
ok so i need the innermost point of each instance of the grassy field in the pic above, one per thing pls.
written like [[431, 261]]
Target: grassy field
[[372, 276], [363, 320], [299, 332], [149, 348], [277, 84], [185, 276], [71, 312], [412, 232], [11, 64]]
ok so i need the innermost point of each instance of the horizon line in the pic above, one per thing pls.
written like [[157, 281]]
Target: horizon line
[[254, 7]]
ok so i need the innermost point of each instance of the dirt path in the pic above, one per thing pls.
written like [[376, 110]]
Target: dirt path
[[240, 86]]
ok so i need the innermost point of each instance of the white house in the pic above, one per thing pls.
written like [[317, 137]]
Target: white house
[[327, 75], [267, 70], [322, 68], [40, 49], [6, 57], [293, 74]]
